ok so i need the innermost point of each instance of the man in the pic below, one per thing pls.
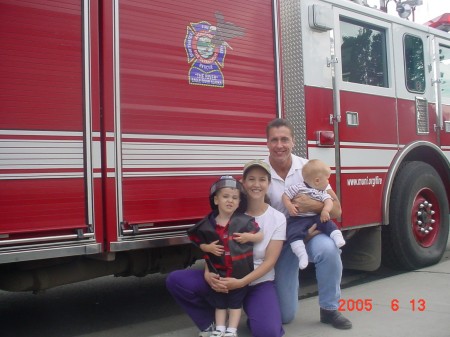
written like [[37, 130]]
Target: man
[[286, 171]]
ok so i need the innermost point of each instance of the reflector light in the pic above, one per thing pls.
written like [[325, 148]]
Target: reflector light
[[325, 138]]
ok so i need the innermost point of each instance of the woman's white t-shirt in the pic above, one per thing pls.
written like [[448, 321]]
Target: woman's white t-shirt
[[273, 225]]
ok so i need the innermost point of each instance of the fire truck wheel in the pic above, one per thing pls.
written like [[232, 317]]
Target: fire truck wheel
[[419, 218]]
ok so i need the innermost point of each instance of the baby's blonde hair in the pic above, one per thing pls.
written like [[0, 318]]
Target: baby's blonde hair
[[314, 168]]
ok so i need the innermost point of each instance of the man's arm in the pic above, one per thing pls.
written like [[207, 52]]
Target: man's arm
[[306, 204]]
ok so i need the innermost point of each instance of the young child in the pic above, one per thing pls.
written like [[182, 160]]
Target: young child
[[226, 236], [315, 176]]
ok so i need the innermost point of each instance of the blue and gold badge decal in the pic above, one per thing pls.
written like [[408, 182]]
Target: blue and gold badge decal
[[206, 46]]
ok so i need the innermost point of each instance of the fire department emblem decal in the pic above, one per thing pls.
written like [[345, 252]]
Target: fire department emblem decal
[[206, 46]]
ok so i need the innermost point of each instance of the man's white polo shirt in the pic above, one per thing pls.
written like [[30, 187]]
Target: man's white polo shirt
[[278, 185]]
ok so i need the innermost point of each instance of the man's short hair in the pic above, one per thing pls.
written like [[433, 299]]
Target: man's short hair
[[278, 123]]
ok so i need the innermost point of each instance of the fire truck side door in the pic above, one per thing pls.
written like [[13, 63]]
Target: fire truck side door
[[415, 92], [367, 134], [46, 148]]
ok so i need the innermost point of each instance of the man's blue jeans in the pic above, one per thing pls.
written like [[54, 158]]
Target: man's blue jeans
[[323, 252]]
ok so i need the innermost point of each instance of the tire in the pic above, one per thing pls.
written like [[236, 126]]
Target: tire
[[417, 192]]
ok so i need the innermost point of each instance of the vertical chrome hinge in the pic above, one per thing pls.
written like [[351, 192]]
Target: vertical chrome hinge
[[331, 60], [335, 119]]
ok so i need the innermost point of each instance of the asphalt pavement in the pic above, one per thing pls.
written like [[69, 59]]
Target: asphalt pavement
[[410, 304]]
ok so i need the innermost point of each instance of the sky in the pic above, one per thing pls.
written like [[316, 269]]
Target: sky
[[429, 10]]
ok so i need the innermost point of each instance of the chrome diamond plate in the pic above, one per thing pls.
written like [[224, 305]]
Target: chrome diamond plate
[[292, 72]]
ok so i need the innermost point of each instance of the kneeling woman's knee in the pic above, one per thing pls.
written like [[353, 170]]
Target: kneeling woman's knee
[[176, 279], [171, 281]]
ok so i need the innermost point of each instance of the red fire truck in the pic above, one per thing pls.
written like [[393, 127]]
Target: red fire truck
[[117, 115]]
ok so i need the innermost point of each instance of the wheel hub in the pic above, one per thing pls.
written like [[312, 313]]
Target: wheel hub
[[425, 218], [425, 221]]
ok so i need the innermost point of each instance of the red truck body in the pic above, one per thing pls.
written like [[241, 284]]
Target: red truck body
[[116, 116]]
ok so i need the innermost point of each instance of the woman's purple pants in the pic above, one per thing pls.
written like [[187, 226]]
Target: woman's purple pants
[[190, 290]]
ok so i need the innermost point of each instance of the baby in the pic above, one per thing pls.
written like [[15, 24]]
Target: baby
[[315, 176]]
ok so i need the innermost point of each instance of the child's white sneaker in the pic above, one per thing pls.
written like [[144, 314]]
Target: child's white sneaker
[[217, 333], [208, 332], [230, 334]]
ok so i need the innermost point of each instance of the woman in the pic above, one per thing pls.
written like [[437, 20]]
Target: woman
[[190, 287]]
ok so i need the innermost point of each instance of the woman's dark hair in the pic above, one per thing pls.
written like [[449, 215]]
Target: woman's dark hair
[[266, 197]]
